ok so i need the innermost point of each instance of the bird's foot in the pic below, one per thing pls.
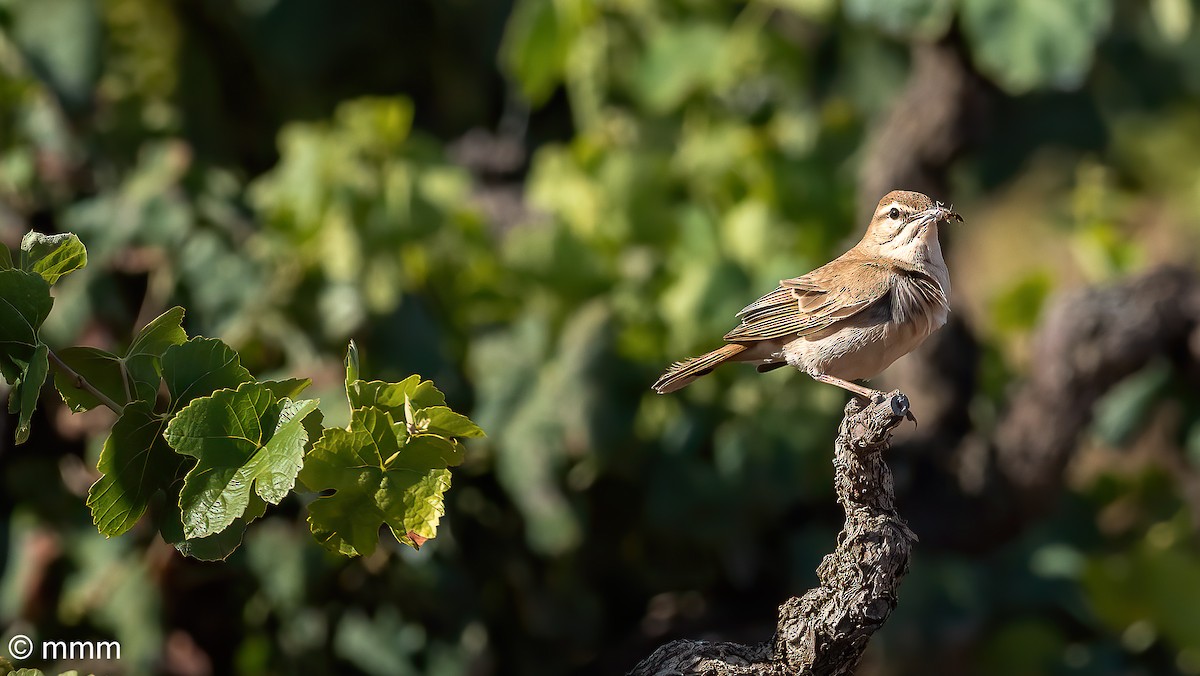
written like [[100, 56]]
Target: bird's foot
[[900, 406]]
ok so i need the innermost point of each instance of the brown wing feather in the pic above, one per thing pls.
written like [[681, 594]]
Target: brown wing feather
[[813, 302]]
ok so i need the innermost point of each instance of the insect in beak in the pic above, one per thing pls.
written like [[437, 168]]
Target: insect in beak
[[943, 213]]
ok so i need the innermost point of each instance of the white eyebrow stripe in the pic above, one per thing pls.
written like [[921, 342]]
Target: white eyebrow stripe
[[889, 207]]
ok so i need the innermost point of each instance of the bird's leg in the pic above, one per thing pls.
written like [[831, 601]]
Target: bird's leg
[[873, 396], [864, 392]]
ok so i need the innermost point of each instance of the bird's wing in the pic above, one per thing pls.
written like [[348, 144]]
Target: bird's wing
[[813, 302]]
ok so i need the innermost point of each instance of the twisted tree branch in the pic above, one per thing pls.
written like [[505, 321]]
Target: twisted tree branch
[[826, 630]]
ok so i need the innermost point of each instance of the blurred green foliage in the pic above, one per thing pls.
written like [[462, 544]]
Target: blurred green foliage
[[290, 173]]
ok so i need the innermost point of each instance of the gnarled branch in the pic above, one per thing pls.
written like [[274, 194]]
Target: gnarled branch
[[826, 630]]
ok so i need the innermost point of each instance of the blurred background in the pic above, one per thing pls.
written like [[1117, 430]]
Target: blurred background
[[539, 204]]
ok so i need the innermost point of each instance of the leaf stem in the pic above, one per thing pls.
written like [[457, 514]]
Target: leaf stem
[[82, 383], [125, 381]]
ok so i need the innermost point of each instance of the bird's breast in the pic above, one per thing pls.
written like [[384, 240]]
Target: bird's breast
[[864, 347]]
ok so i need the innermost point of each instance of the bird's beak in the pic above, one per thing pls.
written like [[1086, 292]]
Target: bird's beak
[[939, 213], [935, 214]]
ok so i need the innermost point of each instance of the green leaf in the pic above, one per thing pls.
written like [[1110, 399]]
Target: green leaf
[[351, 362], [441, 420], [536, 42], [290, 388], [679, 60], [135, 376], [378, 478], [143, 359], [391, 396], [216, 547], [1027, 44], [24, 304], [24, 396], [136, 462], [101, 369], [240, 438], [923, 19], [430, 449], [200, 367], [5, 264], [52, 256], [314, 424]]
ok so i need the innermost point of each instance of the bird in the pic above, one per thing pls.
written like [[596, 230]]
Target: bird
[[853, 317]]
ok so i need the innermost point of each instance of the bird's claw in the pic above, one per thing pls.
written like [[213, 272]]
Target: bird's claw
[[900, 406]]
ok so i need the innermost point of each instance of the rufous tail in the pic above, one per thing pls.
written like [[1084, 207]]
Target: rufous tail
[[684, 372]]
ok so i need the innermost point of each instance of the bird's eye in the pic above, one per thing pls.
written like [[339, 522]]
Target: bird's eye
[[894, 213]]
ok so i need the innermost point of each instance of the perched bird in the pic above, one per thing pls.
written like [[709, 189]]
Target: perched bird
[[852, 317]]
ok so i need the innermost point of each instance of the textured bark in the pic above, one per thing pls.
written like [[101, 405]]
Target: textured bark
[[826, 630], [1088, 341]]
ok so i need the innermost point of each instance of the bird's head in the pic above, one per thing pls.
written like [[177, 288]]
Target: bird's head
[[904, 227]]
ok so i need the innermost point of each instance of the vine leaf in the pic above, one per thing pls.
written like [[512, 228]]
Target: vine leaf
[[143, 359], [216, 547], [351, 362], [391, 396], [24, 304], [441, 420], [536, 45], [200, 367], [52, 256], [1027, 44], [135, 376], [679, 60], [379, 475], [240, 438], [290, 388], [24, 396], [136, 462]]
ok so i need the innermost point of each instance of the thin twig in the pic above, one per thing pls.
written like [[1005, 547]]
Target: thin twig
[[82, 383]]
